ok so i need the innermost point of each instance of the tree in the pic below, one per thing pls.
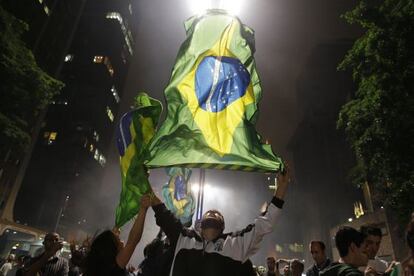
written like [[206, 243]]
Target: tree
[[379, 120], [25, 88]]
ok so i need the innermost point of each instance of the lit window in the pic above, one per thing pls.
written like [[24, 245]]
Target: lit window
[[115, 94], [110, 114], [96, 136], [96, 155], [108, 64], [102, 160], [98, 59], [50, 137], [46, 9], [68, 58]]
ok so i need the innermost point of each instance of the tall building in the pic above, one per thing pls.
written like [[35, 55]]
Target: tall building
[[321, 155], [69, 157], [51, 27]]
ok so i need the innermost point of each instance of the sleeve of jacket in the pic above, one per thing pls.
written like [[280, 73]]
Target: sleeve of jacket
[[171, 226], [248, 240]]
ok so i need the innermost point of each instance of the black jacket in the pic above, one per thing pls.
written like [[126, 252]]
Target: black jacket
[[223, 256]]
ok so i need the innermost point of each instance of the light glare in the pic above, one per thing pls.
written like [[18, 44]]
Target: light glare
[[232, 6], [208, 189], [199, 7]]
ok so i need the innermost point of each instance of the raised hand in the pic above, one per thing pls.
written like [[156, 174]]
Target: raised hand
[[283, 179], [146, 201]]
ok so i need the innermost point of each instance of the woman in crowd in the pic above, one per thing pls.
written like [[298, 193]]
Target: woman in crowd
[[108, 255]]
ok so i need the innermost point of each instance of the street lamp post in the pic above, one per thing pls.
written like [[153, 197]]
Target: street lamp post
[[200, 195], [61, 212]]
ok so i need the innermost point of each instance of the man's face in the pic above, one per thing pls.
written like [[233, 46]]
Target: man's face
[[50, 239], [210, 234], [318, 254], [286, 270], [212, 225], [360, 254], [271, 263], [372, 245]]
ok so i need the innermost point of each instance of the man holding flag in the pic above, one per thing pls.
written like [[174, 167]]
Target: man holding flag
[[211, 252]]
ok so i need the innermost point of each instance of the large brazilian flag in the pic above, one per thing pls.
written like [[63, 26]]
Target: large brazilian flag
[[212, 100]]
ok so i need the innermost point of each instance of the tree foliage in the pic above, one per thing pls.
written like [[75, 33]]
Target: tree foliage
[[379, 120], [25, 89]]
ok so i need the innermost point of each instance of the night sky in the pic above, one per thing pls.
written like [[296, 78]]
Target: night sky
[[286, 32]]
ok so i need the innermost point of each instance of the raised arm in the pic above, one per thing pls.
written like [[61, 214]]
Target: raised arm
[[171, 226], [37, 265], [135, 234], [249, 239]]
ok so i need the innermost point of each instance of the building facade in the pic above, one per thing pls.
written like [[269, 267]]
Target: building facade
[[88, 45]]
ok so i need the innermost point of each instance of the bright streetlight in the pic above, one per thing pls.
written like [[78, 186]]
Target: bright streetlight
[[233, 7]]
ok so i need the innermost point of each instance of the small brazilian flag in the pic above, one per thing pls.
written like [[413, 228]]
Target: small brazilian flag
[[177, 195], [135, 130], [212, 101]]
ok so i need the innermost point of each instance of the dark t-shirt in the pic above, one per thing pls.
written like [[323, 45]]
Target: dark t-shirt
[[117, 271], [339, 269]]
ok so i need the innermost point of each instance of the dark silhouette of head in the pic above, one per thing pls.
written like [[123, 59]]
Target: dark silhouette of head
[[101, 258], [296, 267], [271, 263], [351, 246], [50, 239]]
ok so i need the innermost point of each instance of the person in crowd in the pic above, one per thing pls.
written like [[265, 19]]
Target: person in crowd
[[49, 262], [271, 266], [352, 250], [210, 251], [17, 266], [284, 266], [373, 237], [107, 255], [292, 267], [158, 256], [317, 250], [26, 259], [408, 263], [296, 267], [76, 261], [247, 269], [8, 265]]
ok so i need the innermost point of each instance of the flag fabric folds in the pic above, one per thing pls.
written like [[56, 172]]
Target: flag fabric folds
[[135, 130], [212, 99], [177, 194]]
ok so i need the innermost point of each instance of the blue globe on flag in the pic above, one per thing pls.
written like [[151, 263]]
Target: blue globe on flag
[[219, 81]]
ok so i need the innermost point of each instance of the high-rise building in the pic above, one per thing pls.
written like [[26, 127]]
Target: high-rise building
[[69, 157], [321, 155], [51, 27]]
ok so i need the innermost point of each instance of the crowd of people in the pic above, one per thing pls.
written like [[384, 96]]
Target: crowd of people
[[208, 251]]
